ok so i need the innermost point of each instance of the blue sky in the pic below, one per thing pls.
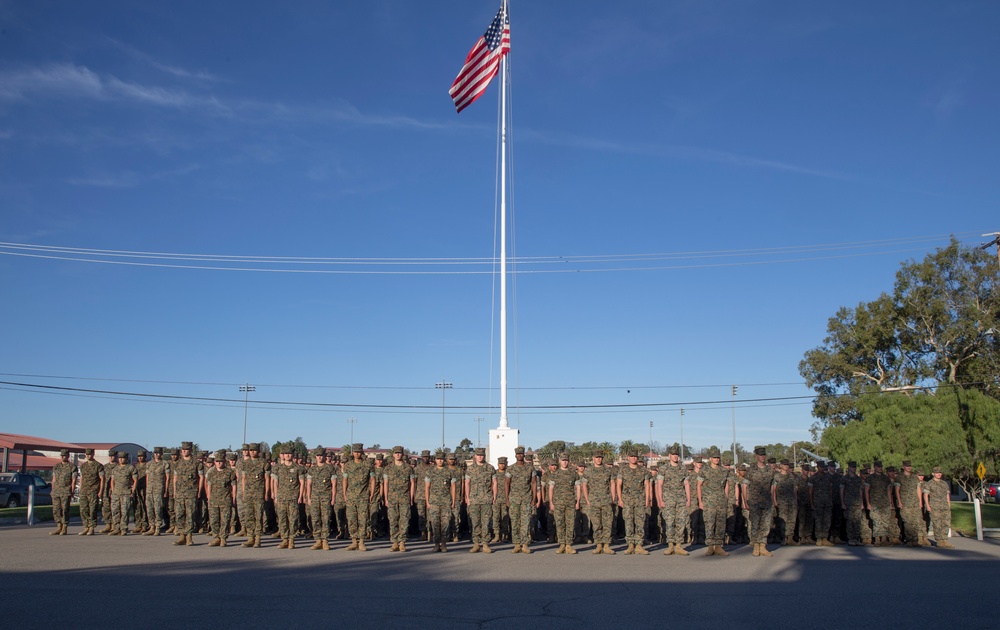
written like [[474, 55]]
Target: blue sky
[[755, 164]]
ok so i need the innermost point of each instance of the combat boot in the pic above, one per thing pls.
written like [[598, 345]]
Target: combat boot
[[475, 549], [106, 530], [710, 551], [486, 548], [516, 549], [256, 541], [681, 551], [756, 549], [361, 546], [719, 551], [222, 542], [395, 547], [570, 550], [326, 545], [791, 542], [668, 551], [57, 530], [764, 551], [316, 546], [524, 548], [945, 544], [437, 547], [215, 542], [189, 540], [283, 544], [630, 549], [923, 542], [248, 542], [291, 543], [85, 532], [561, 549], [354, 545], [608, 550], [639, 550], [181, 539], [597, 549], [828, 543], [444, 547], [242, 532], [496, 539]]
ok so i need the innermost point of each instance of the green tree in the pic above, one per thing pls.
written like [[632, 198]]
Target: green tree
[[465, 447]]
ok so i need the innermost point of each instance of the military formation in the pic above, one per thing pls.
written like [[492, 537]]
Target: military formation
[[353, 497]]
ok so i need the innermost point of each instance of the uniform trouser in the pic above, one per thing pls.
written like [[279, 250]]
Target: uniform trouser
[[357, 517], [185, 508], [398, 511], [635, 522], [913, 523], [172, 510], [715, 523], [565, 517], [119, 510], [805, 524], [106, 508], [456, 519], [696, 530], [88, 507], [821, 520], [501, 519], [479, 521], [787, 513], [436, 519], [241, 508], [854, 515], [675, 518], [374, 513], [219, 517], [520, 522], [341, 515], [893, 523], [139, 505], [200, 514], [940, 521], [581, 524], [154, 507], [288, 517], [760, 523], [60, 509], [422, 516], [602, 519], [320, 509], [253, 512]]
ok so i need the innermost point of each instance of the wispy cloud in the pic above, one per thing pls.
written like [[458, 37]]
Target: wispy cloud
[[946, 99], [72, 81], [177, 71], [130, 179]]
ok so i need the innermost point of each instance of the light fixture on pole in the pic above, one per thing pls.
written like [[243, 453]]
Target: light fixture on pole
[[246, 389], [736, 458], [479, 426], [651, 436], [352, 422], [443, 385], [682, 434]]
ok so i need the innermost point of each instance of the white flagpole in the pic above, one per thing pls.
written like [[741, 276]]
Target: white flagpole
[[503, 240]]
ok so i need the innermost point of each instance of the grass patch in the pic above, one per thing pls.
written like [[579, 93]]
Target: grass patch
[[42, 512], [963, 517]]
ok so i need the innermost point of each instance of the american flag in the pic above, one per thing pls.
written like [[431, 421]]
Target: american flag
[[482, 62]]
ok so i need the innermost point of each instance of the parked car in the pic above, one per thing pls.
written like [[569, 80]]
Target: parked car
[[993, 493], [14, 489]]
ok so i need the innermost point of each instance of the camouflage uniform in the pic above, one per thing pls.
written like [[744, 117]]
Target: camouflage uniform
[[633, 500], [805, 513], [122, 479], [420, 470], [256, 472], [909, 507], [675, 512], [563, 496], [340, 507], [62, 492], [712, 481], [398, 480], [821, 492], [288, 481], [758, 486], [221, 483], [501, 511], [480, 481], [439, 486], [456, 512], [374, 524], [187, 475], [786, 495], [520, 476], [937, 493], [357, 476], [171, 499], [157, 478], [91, 472], [139, 496], [852, 487], [321, 480], [106, 491], [597, 480]]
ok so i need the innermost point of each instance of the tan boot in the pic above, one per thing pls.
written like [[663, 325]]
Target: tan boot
[[486, 548], [791, 542], [516, 549], [444, 548], [945, 544], [319, 545], [597, 549], [570, 550], [680, 551], [361, 546], [630, 549], [395, 547], [256, 541], [354, 545], [283, 544], [222, 542], [496, 539], [215, 542], [524, 549], [326, 545], [719, 551], [561, 549], [85, 532], [181, 539], [608, 550], [826, 542], [668, 551], [57, 530], [189, 540], [639, 550], [475, 549], [106, 530], [402, 546], [248, 542], [764, 552], [710, 551], [756, 549], [291, 543]]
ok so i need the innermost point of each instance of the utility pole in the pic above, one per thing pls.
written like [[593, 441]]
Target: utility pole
[[443, 385], [651, 436], [995, 241], [246, 389], [736, 458], [479, 426], [352, 422], [682, 434]]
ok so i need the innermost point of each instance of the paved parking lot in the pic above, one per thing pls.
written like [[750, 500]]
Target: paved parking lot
[[76, 580]]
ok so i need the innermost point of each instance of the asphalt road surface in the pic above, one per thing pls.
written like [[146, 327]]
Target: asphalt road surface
[[142, 581]]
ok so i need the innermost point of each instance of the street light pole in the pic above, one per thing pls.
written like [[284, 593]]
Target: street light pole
[[246, 389], [682, 434], [479, 426], [736, 458], [352, 422], [651, 436], [443, 385]]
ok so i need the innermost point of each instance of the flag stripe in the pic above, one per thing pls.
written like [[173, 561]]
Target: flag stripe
[[482, 63]]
